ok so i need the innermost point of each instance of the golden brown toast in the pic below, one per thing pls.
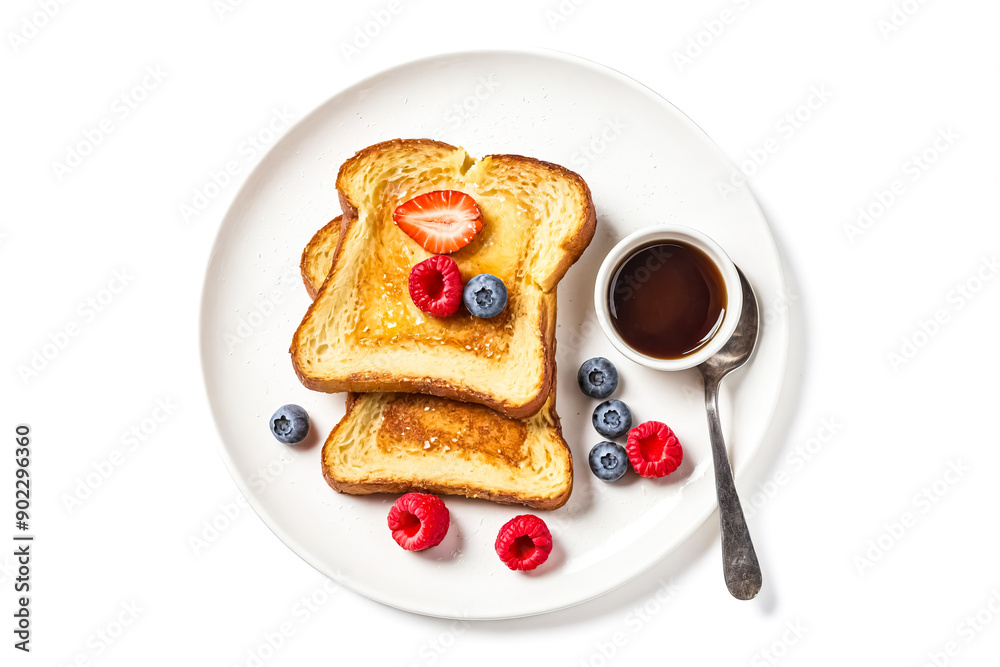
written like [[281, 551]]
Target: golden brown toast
[[413, 442], [317, 258], [363, 333], [396, 443]]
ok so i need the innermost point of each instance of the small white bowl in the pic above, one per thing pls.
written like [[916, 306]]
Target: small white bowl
[[667, 233]]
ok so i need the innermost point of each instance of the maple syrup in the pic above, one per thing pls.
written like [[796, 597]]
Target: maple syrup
[[667, 299]]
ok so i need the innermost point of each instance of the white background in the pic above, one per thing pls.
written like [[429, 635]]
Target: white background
[[845, 578]]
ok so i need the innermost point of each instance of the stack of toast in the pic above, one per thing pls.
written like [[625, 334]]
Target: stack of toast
[[456, 405]]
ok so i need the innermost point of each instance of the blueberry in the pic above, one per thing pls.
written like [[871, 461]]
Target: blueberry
[[290, 424], [598, 377], [485, 295], [608, 461], [612, 418]]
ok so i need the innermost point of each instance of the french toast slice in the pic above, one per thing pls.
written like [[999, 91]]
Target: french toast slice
[[413, 442], [318, 255], [364, 334], [396, 443]]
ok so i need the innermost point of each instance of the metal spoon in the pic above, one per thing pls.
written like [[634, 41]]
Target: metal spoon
[[739, 560]]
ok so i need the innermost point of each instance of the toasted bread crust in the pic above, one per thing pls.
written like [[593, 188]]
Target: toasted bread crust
[[382, 486], [386, 382], [351, 211], [574, 249], [383, 383], [346, 205], [318, 240]]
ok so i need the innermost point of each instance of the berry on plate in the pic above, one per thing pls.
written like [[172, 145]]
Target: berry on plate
[[609, 461], [441, 221], [653, 449], [598, 377], [290, 424], [485, 296], [418, 521], [612, 418], [436, 286], [524, 542]]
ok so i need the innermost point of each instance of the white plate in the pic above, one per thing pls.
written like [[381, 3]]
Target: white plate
[[646, 163]]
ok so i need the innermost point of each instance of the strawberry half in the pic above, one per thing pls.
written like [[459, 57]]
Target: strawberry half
[[441, 221]]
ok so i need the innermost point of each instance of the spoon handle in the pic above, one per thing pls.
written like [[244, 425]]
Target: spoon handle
[[739, 560]]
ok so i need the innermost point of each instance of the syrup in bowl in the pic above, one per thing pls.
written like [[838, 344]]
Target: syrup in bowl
[[667, 299]]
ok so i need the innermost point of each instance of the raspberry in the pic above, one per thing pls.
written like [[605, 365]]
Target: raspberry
[[524, 542], [418, 521], [436, 286], [653, 449]]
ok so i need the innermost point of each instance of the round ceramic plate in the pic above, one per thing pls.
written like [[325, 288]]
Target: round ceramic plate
[[646, 163]]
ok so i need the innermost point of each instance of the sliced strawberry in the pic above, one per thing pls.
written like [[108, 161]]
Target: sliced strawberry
[[441, 221]]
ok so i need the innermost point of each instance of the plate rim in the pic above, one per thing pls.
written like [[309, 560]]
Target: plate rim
[[355, 584]]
